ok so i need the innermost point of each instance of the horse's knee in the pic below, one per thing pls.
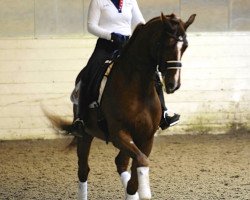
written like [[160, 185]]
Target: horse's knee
[[142, 160]]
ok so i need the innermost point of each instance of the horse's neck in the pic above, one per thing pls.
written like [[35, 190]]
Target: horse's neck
[[136, 72], [135, 68], [136, 63]]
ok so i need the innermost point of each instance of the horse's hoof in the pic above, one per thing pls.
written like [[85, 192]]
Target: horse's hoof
[[132, 197]]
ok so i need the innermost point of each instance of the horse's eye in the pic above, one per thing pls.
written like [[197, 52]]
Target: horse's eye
[[172, 42]]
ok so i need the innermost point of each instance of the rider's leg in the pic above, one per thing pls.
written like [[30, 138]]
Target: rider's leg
[[78, 124], [102, 52], [166, 120]]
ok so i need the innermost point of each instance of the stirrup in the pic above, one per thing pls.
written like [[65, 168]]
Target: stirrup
[[78, 128], [168, 121]]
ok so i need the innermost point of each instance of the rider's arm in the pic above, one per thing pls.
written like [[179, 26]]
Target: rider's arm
[[94, 14], [137, 17]]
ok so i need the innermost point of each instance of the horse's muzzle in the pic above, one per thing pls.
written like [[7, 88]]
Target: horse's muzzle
[[170, 90], [172, 81]]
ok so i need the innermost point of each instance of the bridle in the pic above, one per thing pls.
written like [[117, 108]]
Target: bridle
[[169, 64]]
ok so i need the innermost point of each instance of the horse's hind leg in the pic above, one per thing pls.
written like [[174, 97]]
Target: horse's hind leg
[[122, 161], [75, 107], [83, 148]]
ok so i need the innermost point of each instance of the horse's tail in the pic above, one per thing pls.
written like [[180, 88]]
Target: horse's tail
[[61, 126]]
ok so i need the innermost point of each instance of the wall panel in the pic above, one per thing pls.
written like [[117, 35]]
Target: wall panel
[[211, 15], [67, 18], [152, 8], [59, 18], [16, 18], [240, 15]]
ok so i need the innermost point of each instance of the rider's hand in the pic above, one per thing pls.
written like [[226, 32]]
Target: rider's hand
[[118, 39]]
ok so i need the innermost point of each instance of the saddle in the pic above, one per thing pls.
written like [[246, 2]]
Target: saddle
[[96, 85]]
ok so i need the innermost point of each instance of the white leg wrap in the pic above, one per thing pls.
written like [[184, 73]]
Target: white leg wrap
[[143, 180], [132, 197], [83, 191], [125, 176]]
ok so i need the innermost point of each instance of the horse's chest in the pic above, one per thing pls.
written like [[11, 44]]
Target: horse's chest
[[142, 115]]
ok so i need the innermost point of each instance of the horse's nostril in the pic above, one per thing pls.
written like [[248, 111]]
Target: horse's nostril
[[170, 85], [178, 87]]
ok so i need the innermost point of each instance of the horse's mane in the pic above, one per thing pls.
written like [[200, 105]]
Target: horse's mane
[[135, 33], [170, 17], [132, 38], [139, 27]]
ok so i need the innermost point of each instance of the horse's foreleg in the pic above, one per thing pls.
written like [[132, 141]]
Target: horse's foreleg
[[124, 142], [143, 172], [83, 147], [122, 161]]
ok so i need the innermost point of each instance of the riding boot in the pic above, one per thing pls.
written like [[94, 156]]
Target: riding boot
[[166, 119], [78, 124]]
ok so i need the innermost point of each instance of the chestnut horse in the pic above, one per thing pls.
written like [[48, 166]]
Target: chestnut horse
[[130, 103]]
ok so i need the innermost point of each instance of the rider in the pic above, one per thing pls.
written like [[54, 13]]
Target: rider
[[111, 21]]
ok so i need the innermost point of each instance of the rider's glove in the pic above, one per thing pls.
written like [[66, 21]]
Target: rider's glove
[[118, 39]]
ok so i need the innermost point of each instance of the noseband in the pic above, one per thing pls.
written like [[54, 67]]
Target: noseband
[[173, 64]]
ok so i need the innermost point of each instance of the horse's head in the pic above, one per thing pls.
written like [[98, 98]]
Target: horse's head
[[168, 47]]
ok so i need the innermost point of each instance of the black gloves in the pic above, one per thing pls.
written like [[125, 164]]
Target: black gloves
[[119, 39]]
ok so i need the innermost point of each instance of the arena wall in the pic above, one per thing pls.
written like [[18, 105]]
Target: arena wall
[[214, 96], [66, 18]]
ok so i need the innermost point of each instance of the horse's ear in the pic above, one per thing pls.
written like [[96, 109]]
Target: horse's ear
[[166, 22], [189, 21]]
